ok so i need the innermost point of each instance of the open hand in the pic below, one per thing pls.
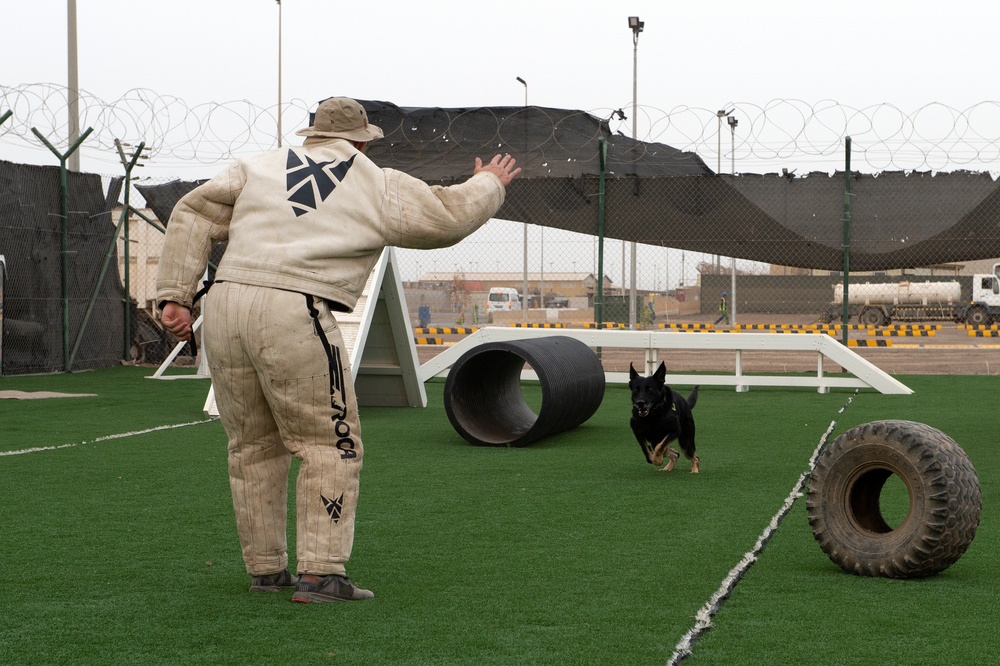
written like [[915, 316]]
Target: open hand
[[502, 167]]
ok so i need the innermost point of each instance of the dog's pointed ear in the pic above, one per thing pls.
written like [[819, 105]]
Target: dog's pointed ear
[[632, 374], [661, 372]]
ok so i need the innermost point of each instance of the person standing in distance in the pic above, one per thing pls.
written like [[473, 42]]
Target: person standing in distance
[[723, 310], [305, 225]]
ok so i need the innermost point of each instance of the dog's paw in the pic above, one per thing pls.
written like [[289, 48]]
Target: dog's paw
[[665, 468]]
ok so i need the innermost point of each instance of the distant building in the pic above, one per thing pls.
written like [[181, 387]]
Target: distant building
[[145, 243], [559, 288]]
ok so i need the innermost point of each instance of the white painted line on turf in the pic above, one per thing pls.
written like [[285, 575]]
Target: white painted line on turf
[[104, 438], [703, 619]]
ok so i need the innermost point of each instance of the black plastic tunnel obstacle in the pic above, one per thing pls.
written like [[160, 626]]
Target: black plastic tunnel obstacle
[[483, 398]]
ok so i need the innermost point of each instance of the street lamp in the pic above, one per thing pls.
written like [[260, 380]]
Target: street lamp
[[636, 26], [279, 73], [733, 122], [524, 294], [73, 87], [720, 114]]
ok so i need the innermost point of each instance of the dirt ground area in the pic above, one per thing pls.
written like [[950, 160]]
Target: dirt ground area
[[949, 351]]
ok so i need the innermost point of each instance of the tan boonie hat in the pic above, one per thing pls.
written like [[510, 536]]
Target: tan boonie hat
[[342, 118]]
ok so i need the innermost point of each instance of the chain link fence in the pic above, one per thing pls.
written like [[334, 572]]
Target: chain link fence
[[917, 242], [645, 236]]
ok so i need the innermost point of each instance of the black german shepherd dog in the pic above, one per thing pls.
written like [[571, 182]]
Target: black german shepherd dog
[[661, 415]]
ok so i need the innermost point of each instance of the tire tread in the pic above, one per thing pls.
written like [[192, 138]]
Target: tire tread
[[949, 486]]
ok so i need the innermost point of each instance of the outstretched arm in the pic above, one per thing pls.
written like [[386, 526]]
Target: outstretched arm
[[422, 216]]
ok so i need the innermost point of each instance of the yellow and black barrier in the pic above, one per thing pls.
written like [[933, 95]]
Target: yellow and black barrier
[[428, 341], [687, 327], [809, 331], [903, 332], [869, 343], [764, 327], [808, 327], [453, 330], [913, 327]]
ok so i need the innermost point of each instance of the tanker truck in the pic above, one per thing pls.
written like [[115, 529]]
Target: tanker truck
[[881, 303]]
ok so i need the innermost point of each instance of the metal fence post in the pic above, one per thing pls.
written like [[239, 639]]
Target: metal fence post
[[64, 231], [602, 151], [847, 238], [128, 163], [3, 278]]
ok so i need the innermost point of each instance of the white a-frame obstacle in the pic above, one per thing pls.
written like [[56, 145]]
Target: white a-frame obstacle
[[379, 341]]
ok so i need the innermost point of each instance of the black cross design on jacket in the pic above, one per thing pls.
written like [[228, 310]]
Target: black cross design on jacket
[[304, 180]]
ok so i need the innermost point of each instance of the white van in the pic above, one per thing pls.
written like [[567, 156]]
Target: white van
[[503, 299]]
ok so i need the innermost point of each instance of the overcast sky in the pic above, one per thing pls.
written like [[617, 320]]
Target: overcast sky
[[573, 54]]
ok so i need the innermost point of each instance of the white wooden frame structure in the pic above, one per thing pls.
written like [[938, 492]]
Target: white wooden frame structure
[[383, 356], [379, 340], [864, 374]]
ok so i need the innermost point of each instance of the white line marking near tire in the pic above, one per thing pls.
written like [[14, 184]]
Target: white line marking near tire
[[703, 618], [104, 438]]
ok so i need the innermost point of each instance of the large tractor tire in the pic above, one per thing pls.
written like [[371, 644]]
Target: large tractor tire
[[844, 509]]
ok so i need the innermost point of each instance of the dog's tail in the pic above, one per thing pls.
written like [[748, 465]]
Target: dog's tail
[[693, 398]]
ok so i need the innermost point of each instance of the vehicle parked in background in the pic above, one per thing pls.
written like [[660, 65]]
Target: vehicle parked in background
[[503, 299], [879, 304]]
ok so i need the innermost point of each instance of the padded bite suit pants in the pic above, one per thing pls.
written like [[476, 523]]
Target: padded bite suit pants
[[283, 388]]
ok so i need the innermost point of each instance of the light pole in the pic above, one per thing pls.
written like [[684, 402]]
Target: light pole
[[733, 122], [720, 114], [524, 294], [279, 73], [636, 26], [541, 266], [73, 89]]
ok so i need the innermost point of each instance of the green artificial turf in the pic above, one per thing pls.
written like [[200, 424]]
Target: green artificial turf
[[570, 551]]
